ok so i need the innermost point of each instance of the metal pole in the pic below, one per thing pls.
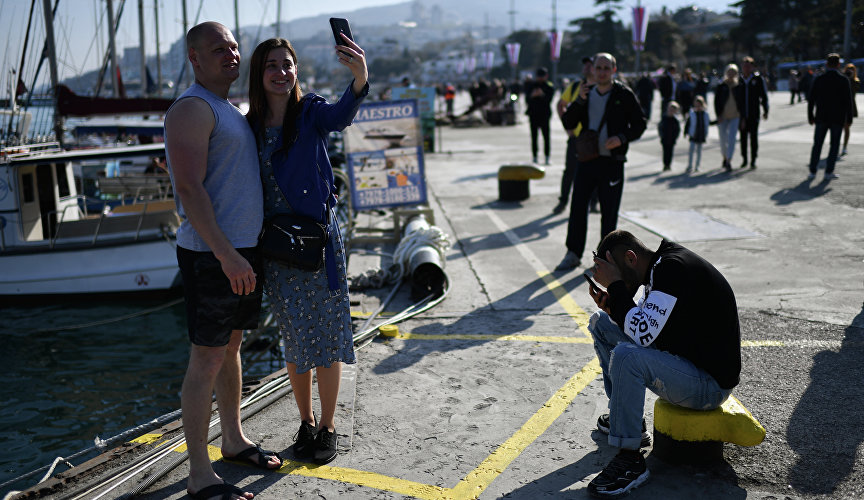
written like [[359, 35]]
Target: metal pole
[[185, 52], [52, 65], [847, 31], [555, 30], [142, 47], [237, 25], [278, 16], [112, 47], [158, 55]]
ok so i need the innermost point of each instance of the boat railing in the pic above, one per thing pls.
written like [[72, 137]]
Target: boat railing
[[131, 220], [138, 187], [9, 153]]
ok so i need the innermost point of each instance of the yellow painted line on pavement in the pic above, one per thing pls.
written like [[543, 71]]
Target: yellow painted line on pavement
[[509, 337], [570, 306], [476, 481], [364, 478], [480, 478]]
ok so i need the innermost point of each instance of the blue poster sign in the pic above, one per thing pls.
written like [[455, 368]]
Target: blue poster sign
[[384, 147]]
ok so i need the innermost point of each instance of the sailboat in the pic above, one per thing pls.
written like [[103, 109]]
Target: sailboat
[[51, 243]]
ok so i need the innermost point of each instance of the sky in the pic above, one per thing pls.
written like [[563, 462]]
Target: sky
[[79, 49]]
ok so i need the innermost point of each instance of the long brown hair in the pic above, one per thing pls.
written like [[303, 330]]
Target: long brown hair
[[258, 100]]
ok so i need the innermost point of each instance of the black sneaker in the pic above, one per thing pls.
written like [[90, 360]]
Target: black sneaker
[[325, 446], [603, 426], [625, 472], [559, 207], [304, 441]]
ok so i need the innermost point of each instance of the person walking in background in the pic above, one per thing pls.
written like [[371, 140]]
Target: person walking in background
[[667, 85], [538, 98], [793, 86], [851, 73], [805, 81], [449, 97], [570, 161], [645, 92], [751, 93], [686, 91], [310, 306], [214, 171], [726, 111], [831, 95], [668, 130], [612, 110], [696, 128], [702, 84]]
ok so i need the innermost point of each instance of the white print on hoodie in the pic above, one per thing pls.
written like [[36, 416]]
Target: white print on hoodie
[[644, 322]]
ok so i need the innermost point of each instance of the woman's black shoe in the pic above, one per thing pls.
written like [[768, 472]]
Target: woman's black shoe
[[304, 441], [325, 446]]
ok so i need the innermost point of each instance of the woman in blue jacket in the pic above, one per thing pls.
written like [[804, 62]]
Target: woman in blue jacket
[[311, 307]]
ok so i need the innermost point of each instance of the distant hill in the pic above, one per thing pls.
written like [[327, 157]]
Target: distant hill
[[475, 13]]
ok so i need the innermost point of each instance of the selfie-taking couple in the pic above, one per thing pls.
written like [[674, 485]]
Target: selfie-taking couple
[[233, 176]]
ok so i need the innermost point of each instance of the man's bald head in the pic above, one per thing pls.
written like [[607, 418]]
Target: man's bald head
[[198, 32]]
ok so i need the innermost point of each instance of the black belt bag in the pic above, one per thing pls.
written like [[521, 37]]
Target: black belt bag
[[295, 240]]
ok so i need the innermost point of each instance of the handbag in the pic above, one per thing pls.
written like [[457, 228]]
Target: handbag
[[294, 240], [588, 142]]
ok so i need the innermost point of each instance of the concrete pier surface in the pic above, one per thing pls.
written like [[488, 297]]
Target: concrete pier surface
[[495, 392]]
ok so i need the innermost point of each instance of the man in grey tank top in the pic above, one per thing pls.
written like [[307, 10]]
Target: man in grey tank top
[[213, 163]]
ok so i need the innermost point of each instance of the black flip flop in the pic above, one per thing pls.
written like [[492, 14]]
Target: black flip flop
[[223, 491], [263, 456]]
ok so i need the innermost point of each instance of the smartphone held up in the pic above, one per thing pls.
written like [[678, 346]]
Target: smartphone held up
[[340, 25]]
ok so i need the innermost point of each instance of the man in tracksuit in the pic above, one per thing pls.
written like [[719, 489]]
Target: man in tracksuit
[[615, 106], [682, 341], [749, 95]]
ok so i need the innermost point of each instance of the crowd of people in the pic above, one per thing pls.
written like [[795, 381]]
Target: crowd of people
[[235, 175], [647, 345]]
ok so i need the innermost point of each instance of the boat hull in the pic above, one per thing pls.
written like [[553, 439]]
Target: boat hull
[[140, 266]]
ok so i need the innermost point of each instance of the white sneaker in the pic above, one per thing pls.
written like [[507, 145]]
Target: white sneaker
[[831, 176]]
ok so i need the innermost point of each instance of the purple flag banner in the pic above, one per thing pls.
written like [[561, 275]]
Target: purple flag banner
[[640, 27]]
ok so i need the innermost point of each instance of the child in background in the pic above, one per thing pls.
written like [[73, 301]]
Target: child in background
[[697, 129], [669, 129]]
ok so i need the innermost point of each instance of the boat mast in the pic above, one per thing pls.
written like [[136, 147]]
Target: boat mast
[[112, 47], [144, 91], [158, 56], [52, 65]]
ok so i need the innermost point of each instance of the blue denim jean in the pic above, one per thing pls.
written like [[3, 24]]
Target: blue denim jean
[[728, 132], [819, 132], [628, 369]]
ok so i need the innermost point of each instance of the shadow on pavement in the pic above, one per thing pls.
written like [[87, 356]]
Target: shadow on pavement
[[530, 231], [802, 192], [499, 318], [701, 178], [826, 428]]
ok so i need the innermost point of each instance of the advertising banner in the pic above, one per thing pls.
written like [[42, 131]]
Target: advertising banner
[[640, 27], [385, 155], [426, 99], [554, 44], [513, 53]]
